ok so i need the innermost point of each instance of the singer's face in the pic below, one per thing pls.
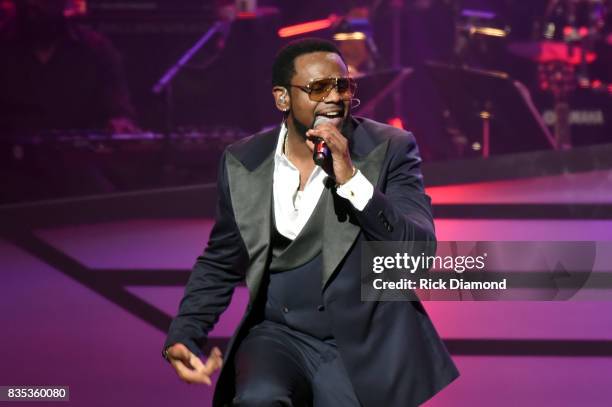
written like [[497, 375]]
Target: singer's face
[[317, 65]]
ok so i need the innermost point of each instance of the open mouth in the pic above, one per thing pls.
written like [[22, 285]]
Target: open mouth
[[331, 115]]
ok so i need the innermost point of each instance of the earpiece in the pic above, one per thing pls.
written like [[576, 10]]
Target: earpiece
[[283, 99]]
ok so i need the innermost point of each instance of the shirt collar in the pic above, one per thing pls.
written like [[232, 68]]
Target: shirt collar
[[279, 153]]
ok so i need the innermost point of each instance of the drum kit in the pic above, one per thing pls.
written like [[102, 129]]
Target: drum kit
[[567, 44]]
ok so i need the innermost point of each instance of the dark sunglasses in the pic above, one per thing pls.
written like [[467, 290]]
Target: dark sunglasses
[[319, 89]]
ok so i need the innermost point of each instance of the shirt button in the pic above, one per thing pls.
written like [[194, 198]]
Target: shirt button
[[285, 310], [321, 308]]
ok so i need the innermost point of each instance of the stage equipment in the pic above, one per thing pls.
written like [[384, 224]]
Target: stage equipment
[[493, 112], [480, 35], [570, 31]]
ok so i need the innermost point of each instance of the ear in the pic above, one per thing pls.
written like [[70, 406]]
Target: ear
[[281, 98]]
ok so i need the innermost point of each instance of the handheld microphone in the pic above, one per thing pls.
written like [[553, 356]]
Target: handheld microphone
[[321, 152]]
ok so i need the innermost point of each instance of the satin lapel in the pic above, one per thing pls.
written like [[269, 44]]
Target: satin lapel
[[340, 230], [251, 193]]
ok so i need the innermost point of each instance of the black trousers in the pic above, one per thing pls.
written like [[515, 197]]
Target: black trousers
[[278, 366]]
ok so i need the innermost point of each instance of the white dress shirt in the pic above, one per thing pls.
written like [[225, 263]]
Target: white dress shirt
[[293, 208]]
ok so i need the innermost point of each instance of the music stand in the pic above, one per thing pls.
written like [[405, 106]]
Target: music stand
[[492, 105]]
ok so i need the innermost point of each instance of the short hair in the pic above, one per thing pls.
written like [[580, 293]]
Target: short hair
[[283, 68]]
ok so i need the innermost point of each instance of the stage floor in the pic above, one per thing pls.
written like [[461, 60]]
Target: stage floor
[[86, 299]]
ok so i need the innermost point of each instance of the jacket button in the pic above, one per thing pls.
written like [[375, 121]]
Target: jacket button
[[321, 308], [285, 310]]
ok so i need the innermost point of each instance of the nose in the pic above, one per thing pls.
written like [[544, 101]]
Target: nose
[[333, 96]]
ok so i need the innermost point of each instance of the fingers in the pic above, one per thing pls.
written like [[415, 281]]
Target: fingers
[[202, 372], [190, 375], [310, 144], [342, 165], [190, 367], [179, 351], [216, 353], [332, 137], [323, 130], [214, 362]]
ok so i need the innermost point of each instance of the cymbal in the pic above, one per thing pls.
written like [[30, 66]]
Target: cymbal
[[548, 51]]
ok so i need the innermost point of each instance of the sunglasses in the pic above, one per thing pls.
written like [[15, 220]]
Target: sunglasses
[[319, 89]]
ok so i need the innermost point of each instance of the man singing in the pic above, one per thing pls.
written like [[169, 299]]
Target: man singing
[[294, 231]]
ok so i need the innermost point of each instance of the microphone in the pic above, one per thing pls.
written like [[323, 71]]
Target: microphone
[[321, 151]]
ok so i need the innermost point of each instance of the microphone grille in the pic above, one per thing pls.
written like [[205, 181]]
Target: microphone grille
[[320, 120]]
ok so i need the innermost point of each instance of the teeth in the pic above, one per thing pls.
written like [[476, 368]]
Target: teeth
[[332, 114]]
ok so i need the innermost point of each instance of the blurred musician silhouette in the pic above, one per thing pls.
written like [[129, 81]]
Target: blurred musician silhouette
[[57, 74]]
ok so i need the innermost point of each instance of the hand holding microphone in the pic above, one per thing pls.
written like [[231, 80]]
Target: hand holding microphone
[[329, 143], [321, 151]]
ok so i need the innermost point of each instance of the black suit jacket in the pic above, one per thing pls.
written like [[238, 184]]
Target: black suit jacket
[[391, 350]]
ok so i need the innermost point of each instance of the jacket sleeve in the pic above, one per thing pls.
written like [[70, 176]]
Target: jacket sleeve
[[213, 278], [399, 209]]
